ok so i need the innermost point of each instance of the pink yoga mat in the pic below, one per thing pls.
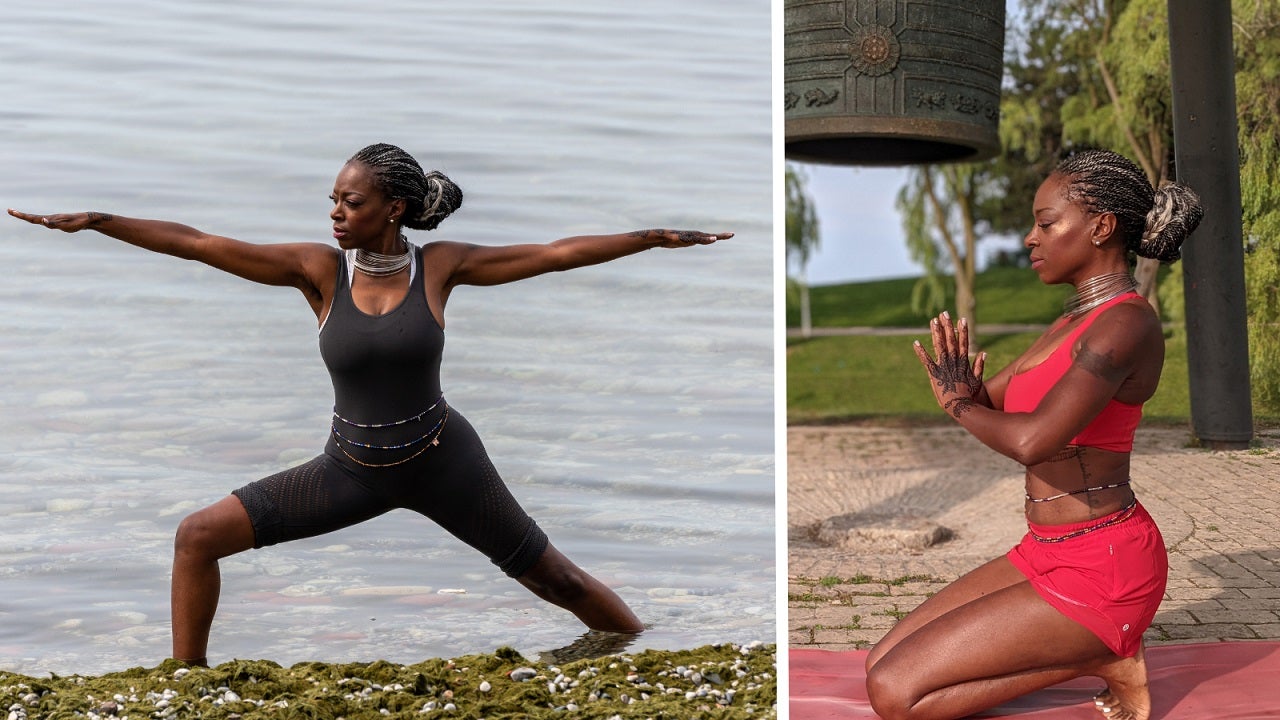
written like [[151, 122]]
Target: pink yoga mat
[[1202, 681]]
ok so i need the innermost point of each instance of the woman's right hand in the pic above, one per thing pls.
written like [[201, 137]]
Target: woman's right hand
[[957, 382], [66, 222]]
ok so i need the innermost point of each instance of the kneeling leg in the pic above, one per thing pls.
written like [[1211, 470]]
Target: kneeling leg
[[995, 648]]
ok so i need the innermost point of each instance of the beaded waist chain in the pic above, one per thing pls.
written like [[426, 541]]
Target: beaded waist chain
[[1115, 519], [434, 435], [405, 421]]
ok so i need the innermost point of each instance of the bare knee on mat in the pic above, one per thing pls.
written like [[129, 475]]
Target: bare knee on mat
[[888, 694]]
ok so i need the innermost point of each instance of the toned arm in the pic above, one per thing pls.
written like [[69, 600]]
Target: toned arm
[[300, 265], [483, 265]]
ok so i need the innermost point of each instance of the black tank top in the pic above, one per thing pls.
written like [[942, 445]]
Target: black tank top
[[384, 368]]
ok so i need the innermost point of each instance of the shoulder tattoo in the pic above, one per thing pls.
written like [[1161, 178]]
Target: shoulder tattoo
[[1101, 365]]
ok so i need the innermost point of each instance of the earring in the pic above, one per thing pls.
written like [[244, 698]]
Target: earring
[[1097, 243], [391, 220]]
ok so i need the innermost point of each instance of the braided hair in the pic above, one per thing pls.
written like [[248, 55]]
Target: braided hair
[[1152, 223], [429, 197]]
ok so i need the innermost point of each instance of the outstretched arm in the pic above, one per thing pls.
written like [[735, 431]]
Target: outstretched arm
[[1105, 355], [482, 265], [284, 264]]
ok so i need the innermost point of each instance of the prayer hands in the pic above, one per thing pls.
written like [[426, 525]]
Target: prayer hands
[[956, 383]]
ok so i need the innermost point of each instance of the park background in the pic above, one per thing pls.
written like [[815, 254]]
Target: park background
[[1078, 74], [889, 501]]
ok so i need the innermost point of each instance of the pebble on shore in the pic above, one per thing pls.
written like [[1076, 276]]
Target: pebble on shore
[[715, 681]]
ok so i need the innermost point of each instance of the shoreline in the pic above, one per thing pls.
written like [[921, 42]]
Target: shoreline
[[718, 681]]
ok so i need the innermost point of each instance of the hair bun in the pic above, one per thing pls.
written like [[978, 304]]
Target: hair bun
[[1174, 214], [442, 198]]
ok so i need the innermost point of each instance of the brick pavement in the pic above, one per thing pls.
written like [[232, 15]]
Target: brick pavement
[[1219, 512]]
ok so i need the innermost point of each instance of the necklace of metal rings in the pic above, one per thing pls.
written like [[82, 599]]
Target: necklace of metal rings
[[379, 265], [1096, 291]]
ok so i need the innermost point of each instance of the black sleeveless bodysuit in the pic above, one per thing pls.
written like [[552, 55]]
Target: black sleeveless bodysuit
[[394, 443]]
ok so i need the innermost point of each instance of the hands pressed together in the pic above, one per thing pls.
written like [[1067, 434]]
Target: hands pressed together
[[957, 383]]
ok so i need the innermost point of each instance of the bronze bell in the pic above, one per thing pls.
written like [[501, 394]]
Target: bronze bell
[[892, 82]]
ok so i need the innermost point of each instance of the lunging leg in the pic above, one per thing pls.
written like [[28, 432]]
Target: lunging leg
[[557, 580], [203, 538]]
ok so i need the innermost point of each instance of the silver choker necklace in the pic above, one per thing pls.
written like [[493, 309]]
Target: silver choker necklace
[[1097, 290], [379, 265]]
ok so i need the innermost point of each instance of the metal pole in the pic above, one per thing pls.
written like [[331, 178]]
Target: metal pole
[[1205, 147]]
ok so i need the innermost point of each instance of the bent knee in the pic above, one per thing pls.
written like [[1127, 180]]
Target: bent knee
[[888, 694], [195, 533], [213, 534]]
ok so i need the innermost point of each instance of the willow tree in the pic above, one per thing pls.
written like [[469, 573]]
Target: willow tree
[[1118, 54], [802, 240], [948, 209], [1257, 47], [939, 206]]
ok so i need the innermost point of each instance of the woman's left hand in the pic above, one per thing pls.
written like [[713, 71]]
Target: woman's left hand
[[956, 382], [66, 222], [685, 238]]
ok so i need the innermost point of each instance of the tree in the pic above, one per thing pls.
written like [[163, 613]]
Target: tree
[[802, 239], [938, 206], [1041, 73], [1105, 67], [948, 209], [1118, 54], [1257, 47]]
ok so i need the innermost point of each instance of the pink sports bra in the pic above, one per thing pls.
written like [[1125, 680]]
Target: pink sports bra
[[1112, 429]]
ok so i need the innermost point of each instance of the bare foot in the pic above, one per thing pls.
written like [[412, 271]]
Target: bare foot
[[1126, 696]]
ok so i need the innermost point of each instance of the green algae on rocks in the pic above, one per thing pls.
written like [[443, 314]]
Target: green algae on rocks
[[715, 681]]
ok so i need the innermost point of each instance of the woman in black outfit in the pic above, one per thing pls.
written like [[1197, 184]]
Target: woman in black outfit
[[395, 441]]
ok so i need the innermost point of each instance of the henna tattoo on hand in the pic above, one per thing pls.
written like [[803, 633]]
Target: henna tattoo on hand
[[97, 218], [663, 236], [950, 372], [660, 234], [958, 406]]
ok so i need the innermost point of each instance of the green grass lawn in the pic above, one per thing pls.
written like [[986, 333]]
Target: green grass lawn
[[858, 377], [866, 376], [1005, 295]]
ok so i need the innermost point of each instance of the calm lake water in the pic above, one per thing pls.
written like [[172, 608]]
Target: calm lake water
[[629, 406]]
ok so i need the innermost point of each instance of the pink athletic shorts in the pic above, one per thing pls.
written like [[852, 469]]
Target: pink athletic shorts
[[1110, 580]]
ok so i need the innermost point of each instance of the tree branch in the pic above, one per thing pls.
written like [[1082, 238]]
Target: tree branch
[[1114, 94], [940, 219]]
